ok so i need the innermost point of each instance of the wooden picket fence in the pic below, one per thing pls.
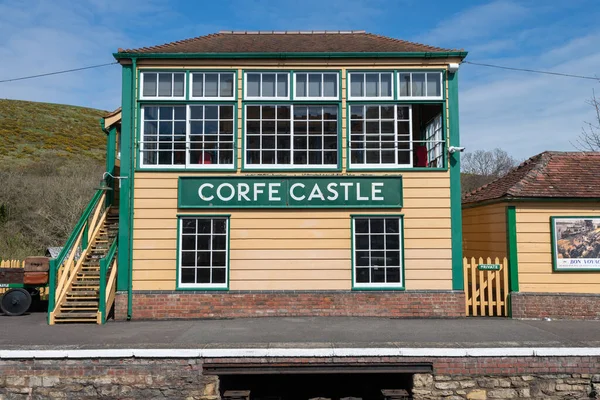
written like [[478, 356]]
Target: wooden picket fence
[[486, 288]]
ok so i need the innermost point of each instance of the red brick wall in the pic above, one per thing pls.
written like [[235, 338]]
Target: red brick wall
[[173, 304], [555, 305]]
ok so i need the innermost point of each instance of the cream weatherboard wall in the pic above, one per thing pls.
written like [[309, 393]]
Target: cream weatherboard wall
[[293, 250], [299, 249], [534, 246], [484, 231]]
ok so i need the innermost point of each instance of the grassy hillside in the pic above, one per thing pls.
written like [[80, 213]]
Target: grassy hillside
[[31, 131], [51, 158]]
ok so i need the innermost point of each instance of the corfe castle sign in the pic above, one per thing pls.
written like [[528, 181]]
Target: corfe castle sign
[[290, 192]]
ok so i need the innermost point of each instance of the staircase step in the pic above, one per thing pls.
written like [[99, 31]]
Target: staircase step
[[58, 320], [81, 303], [69, 309], [83, 293]]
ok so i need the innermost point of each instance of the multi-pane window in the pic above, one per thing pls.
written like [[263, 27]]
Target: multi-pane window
[[316, 85], [267, 85], [377, 251], [200, 136], [380, 135], [163, 85], [163, 135], [434, 143], [371, 85], [203, 248], [291, 135], [211, 139], [212, 85], [420, 85]]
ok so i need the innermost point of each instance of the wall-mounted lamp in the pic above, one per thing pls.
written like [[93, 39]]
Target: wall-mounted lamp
[[454, 149], [104, 184], [453, 67]]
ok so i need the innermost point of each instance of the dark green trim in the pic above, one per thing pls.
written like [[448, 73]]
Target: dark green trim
[[167, 102], [132, 164], [532, 200], [104, 265], [441, 54], [555, 267], [111, 154], [352, 266], [455, 192], [178, 267], [511, 241]]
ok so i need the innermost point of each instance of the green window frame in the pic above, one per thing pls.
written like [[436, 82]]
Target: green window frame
[[203, 251], [377, 251]]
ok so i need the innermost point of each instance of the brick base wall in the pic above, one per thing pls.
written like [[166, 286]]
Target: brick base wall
[[555, 305], [237, 304]]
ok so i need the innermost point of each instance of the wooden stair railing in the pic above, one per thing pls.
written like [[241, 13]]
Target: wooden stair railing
[[75, 280]]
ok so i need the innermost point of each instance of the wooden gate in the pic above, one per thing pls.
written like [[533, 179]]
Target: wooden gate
[[486, 287]]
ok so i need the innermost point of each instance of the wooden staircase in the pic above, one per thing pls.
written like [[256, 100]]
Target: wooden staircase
[[81, 303]]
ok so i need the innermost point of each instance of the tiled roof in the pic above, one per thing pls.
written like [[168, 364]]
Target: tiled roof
[[546, 175], [289, 42]]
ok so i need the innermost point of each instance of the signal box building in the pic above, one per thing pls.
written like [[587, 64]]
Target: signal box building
[[286, 174]]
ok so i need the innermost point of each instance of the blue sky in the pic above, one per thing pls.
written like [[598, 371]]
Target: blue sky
[[519, 112]]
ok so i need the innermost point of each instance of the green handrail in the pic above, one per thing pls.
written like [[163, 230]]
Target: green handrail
[[104, 264], [56, 263]]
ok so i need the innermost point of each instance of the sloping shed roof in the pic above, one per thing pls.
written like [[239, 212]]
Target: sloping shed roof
[[290, 42], [550, 174]]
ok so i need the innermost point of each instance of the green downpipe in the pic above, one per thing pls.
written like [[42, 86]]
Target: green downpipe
[[131, 210]]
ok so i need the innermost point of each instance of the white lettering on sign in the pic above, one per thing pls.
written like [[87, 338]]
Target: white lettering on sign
[[203, 197], [316, 193], [346, 186], [295, 185], [258, 190], [271, 191], [230, 187], [375, 192], [334, 194], [243, 189]]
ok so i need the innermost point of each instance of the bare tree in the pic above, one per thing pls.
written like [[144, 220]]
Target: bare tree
[[589, 138], [481, 167]]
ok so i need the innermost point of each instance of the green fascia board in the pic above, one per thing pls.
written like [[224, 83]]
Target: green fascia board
[[292, 55], [511, 241], [455, 191]]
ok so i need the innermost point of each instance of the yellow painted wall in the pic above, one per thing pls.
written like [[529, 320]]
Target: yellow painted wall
[[293, 249], [484, 231], [534, 245]]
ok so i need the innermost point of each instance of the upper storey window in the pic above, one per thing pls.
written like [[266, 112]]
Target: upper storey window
[[267, 86], [163, 85], [316, 86], [212, 86], [371, 86], [420, 85]]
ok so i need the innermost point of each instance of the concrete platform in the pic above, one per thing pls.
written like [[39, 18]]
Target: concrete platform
[[31, 332]]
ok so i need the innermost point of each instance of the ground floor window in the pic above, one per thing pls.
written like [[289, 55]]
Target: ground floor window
[[203, 252], [378, 253]]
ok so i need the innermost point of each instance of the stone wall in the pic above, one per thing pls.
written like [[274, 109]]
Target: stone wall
[[106, 379], [545, 386], [238, 304], [452, 378], [555, 305]]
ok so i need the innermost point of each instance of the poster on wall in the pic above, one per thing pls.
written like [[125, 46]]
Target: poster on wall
[[576, 243]]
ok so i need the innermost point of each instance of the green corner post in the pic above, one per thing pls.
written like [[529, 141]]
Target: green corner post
[[511, 241], [455, 193], [127, 112]]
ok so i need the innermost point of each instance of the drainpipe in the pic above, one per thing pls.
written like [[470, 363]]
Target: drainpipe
[[131, 169]]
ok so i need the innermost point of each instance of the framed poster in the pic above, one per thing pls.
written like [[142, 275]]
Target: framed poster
[[576, 243]]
